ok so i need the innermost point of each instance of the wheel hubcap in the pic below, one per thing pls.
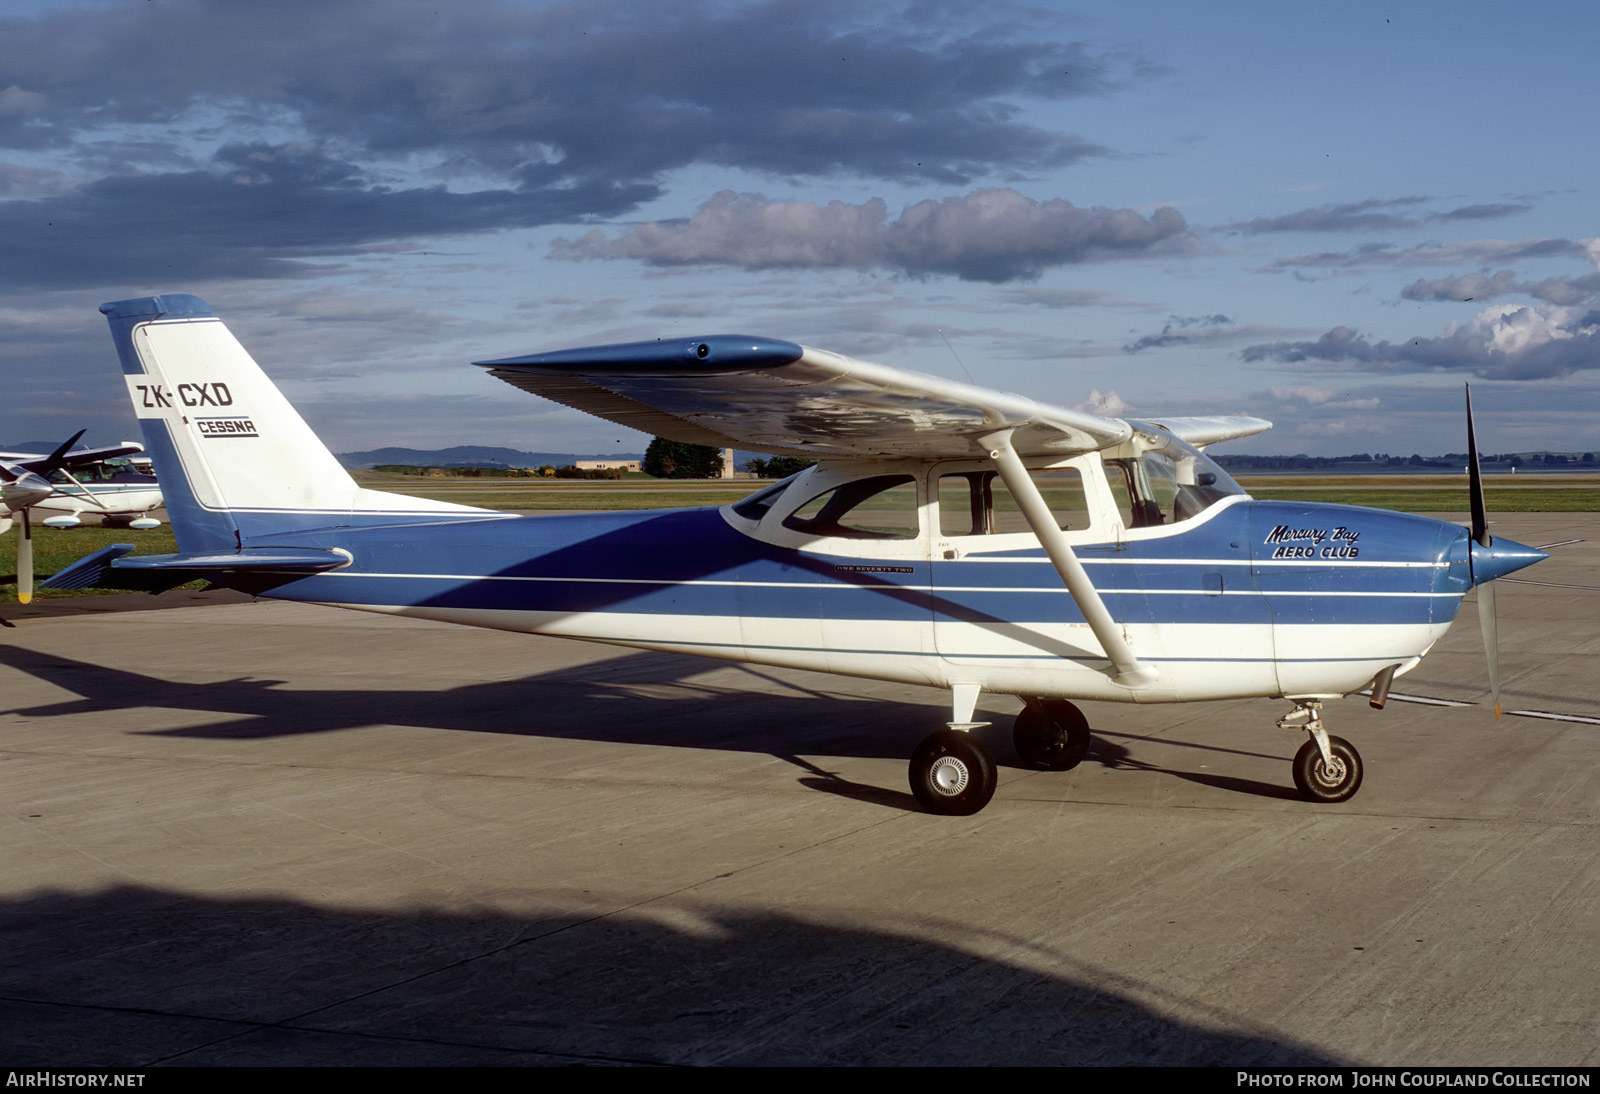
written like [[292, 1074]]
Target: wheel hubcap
[[949, 776], [1330, 774]]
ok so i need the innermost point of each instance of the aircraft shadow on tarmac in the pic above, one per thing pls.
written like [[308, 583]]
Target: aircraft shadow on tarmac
[[179, 979], [638, 698]]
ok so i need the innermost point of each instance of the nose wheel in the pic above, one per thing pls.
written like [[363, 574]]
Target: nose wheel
[[1332, 780], [1327, 768]]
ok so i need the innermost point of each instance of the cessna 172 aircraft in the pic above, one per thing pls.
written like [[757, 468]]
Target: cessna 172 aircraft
[[104, 483], [949, 536]]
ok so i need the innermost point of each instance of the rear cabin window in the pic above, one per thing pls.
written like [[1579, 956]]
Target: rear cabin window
[[977, 503], [882, 507], [756, 505]]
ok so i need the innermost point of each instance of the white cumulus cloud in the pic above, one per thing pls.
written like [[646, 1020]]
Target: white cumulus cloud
[[990, 235]]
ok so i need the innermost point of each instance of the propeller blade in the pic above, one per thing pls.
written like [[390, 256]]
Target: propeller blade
[[1480, 516], [1481, 537], [55, 460], [1491, 643], [25, 560]]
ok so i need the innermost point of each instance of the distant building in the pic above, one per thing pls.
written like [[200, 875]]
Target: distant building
[[604, 465], [727, 464]]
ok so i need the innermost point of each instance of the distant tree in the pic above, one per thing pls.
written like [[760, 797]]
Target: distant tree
[[778, 467], [676, 460], [1588, 457]]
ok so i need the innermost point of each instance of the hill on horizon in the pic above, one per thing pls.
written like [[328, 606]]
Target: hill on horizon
[[471, 455]]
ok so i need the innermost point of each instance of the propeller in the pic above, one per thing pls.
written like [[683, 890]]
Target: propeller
[[1481, 538], [20, 490], [25, 483], [22, 486]]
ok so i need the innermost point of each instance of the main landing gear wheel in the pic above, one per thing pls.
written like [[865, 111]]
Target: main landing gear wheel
[[1051, 734], [1320, 781], [952, 774]]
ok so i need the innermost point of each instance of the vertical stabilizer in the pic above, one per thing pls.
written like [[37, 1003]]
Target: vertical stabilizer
[[233, 457]]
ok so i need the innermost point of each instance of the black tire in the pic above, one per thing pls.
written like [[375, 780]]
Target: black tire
[[952, 774], [1052, 735], [1320, 783]]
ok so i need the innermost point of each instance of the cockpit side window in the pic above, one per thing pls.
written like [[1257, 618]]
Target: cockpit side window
[[880, 507], [977, 503], [1143, 498]]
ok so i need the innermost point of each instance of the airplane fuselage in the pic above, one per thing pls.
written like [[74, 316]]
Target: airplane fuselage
[[107, 499], [1246, 599], [950, 535]]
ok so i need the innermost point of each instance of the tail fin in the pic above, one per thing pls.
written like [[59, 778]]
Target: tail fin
[[233, 457]]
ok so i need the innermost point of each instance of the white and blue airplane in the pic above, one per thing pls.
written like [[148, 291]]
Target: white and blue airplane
[[948, 535], [105, 482]]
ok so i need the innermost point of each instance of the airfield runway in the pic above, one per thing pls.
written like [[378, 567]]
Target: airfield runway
[[257, 833]]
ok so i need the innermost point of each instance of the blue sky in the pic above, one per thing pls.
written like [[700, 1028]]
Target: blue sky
[[1329, 215]]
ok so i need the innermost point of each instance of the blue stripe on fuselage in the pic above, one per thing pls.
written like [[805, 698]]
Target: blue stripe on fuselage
[[693, 563]]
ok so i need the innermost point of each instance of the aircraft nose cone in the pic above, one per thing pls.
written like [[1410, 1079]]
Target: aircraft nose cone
[[25, 490], [1502, 557]]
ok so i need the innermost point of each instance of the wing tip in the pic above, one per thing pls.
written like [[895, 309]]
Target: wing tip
[[666, 356]]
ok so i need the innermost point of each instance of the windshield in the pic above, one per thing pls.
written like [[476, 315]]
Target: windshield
[[1170, 481]]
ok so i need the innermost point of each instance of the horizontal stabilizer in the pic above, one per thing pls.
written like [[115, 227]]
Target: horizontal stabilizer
[[88, 572], [268, 560], [110, 568]]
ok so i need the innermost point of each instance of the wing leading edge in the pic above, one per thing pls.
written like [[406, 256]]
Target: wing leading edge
[[765, 395]]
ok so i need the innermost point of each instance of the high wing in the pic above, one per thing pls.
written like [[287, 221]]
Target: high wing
[[83, 457], [1201, 432], [766, 395]]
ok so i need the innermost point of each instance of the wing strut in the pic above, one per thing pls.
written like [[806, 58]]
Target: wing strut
[[1130, 672]]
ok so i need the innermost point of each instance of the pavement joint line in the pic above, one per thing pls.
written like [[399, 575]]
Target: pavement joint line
[[1552, 716], [1175, 807]]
